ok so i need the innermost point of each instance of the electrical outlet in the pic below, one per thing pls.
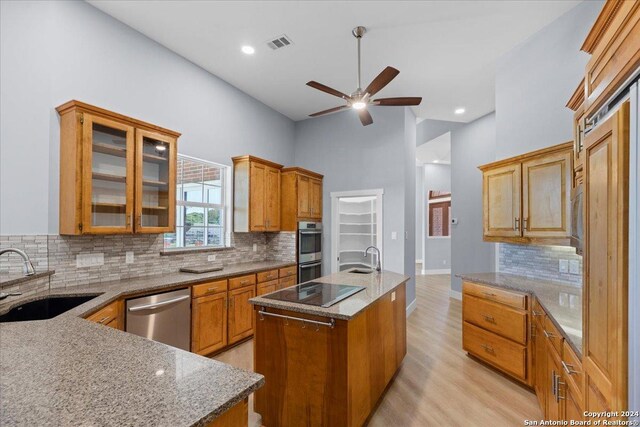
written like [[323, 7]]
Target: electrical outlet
[[574, 266], [89, 260], [211, 257], [563, 266], [393, 296], [394, 235], [255, 247], [129, 257]]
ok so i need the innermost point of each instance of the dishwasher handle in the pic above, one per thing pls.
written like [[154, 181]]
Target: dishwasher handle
[[158, 304]]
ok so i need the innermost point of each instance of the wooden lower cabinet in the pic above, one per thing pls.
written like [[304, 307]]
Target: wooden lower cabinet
[[539, 356], [287, 282], [237, 416], [241, 316], [209, 323], [112, 315], [267, 287]]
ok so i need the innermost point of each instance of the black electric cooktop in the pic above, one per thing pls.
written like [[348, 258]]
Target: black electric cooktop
[[315, 293]]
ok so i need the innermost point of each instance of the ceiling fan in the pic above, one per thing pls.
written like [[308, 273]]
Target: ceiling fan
[[361, 99]]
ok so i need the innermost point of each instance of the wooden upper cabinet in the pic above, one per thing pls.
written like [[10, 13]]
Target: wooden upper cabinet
[[606, 192], [546, 186], [613, 44], [256, 194], [501, 188], [117, 174], [526, 199], [301, 197]]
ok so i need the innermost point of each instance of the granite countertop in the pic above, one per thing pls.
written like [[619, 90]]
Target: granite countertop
[[563, 302], [16, 278], [377, 285], [70, 371]]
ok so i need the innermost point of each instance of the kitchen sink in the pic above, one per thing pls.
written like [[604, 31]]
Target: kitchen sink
[[361, 271], [46, 308]]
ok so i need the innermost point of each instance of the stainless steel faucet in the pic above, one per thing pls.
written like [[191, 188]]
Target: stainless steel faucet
[[366, 252], [27, 267]]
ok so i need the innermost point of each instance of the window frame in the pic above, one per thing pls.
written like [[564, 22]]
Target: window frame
[[224, 206]]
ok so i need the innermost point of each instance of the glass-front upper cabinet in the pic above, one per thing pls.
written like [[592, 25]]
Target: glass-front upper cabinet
[[155, 182], [117, 174], [108, 181]]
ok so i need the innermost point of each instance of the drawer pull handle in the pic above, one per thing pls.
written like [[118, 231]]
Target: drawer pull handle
[[488, 348], [536, 313], [488, 318], [244, 282], [490, 294], [548, 334], [104, 319], [211, 289], [568, 368]]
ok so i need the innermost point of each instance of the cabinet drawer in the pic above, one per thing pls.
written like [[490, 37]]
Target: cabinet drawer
[[242, 281], [267, 287], [537, 311], [209, 288], [504, 321], [265, 276], [512, 299], [288, 271], [495, 350], [572, 367], [553, 335], [287, 282], [108, 315]]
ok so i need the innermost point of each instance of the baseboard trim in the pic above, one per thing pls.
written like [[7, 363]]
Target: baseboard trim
[[455, 294], [411, 307], [418, 261], [442, 271]]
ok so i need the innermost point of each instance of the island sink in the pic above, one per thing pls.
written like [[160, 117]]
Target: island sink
[[46, 308]]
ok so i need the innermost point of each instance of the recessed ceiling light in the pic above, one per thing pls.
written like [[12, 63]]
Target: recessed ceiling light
[[249, 50], [459, 111], [436, 161]]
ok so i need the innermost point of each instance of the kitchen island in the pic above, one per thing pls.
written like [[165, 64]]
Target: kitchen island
[[329, 366]]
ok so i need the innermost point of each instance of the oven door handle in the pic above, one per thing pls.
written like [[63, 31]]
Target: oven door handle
[[303, 266], [309, 232]]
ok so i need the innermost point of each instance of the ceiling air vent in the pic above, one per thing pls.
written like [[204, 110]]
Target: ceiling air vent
[[279, 42]]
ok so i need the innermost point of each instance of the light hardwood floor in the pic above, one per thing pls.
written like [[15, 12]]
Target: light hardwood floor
[[438, 384]]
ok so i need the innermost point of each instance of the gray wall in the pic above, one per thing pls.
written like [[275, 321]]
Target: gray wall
[[409, 170], [353, 157], [52, 52], [420, 200], [437, 250], [429, 129], [471, 146], [535, 80]]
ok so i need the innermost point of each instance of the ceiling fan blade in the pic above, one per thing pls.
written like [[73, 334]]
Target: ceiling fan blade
[[408, 100], [383, 79], [365, 117], [327, 89], [329, 111]]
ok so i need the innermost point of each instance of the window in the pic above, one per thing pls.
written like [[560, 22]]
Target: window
[[202, 205], [439, 212]]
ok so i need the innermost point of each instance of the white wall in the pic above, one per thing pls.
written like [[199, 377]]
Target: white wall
[[437, 251], [52, 52], [353, 157], [535, 80]]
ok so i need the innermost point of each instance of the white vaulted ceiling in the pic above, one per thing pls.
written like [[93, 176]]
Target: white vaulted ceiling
[[446, 51]]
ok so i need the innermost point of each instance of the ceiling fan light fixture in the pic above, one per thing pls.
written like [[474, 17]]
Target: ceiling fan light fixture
[[359, 105]]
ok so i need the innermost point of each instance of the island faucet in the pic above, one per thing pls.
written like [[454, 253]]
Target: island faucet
[[27, 267], [366, 252]]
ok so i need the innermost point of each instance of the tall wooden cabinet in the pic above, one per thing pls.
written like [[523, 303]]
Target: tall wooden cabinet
[[526, 199], [256, 194], [606, 192], [301, 197], [117, 174]]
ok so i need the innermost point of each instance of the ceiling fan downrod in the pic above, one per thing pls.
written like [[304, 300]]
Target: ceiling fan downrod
[[358, 32]]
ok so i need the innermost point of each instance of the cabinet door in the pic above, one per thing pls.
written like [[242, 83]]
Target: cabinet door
[[304, 197], [272, 199], [107, 177], [501, 207], [155, 182], [257, 203], [540, 381], [316, 198], [546, 186], [606, 188], [554, 373], [572, 409], [241, 318], [267, 287], [209, 323]]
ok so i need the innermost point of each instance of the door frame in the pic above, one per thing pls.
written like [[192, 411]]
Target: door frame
[[335, 221]]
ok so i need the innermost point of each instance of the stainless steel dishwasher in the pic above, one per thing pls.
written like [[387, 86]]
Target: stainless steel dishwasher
[[165, 318]]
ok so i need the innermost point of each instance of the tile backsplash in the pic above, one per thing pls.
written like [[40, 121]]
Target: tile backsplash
[[59, 253], [540, 262]]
